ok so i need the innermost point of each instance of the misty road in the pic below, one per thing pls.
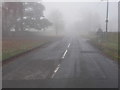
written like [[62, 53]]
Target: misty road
[[67, 62]]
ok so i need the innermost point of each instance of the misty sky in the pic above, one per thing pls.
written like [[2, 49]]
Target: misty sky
[[75, 11]]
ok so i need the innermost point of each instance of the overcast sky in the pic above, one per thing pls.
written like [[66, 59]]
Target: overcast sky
[[72, 11]]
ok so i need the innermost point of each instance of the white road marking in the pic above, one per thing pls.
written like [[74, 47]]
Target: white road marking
[[53, 75], [68, 45], [55, 71], [64, 54]]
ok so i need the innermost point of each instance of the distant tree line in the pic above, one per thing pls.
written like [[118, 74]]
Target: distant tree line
[[19, 16]]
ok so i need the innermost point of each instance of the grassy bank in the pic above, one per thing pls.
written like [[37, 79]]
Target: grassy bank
[[14, 46], [108, 44]]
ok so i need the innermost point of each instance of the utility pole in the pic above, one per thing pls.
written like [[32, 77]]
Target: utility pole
[[107, 16]]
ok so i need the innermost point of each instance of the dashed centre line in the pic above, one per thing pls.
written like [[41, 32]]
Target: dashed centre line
[[68, 45], [65, 51], [55, 71], [64, 54]]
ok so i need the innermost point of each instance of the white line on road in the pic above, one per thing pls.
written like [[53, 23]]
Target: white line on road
[[68, 45], [64, 54], [55, 71], [53, 75]]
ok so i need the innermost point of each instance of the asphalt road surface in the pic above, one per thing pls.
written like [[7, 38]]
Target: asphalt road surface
[[70, 62]]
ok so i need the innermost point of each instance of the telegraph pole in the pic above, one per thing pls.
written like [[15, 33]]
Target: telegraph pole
[[107, 16]]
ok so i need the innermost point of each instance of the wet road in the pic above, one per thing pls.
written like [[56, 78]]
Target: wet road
[[68, 62]]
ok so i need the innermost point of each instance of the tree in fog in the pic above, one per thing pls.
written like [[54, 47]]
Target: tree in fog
[[33, 16], [57, 19], [11, 11], [22, 15]]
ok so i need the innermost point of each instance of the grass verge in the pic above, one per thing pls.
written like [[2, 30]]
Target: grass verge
[[12, 47], [109, 45]]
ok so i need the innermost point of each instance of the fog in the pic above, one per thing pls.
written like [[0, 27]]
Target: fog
[[62, 44], [85, 16]]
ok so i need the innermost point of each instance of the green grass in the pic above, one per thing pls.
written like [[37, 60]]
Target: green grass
[[109, 45], [13, 52], [15, 46]]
